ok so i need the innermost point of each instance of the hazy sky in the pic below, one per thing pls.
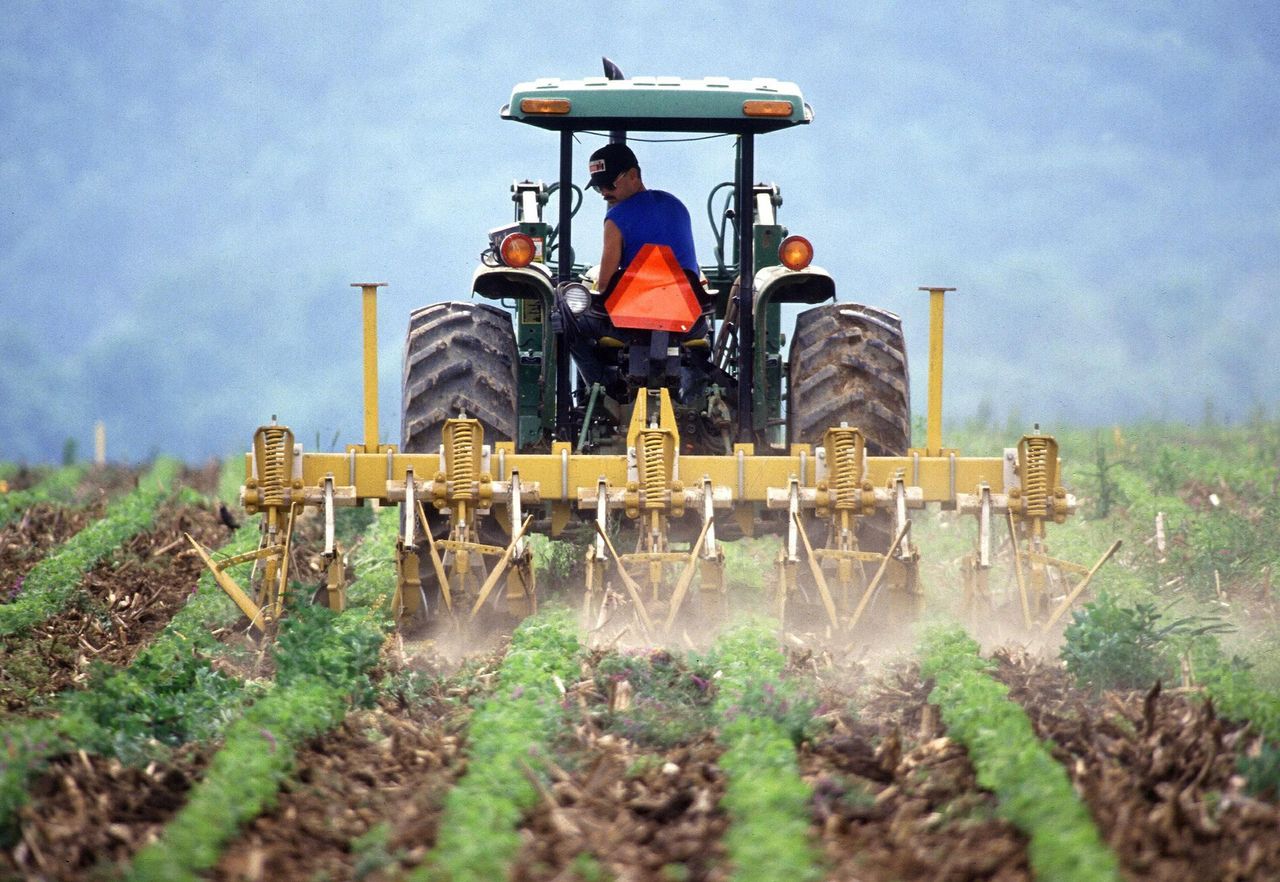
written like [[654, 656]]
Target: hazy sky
[[189, 188]]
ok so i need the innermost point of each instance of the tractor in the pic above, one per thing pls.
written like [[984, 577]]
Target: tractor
[[504, 433]]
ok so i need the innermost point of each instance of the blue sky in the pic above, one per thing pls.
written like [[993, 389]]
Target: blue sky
[[190, 188]]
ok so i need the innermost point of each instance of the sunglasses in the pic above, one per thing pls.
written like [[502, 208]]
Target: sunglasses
[[600, 188]]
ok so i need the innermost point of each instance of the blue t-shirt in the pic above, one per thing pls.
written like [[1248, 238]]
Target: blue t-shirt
[[658, 218]]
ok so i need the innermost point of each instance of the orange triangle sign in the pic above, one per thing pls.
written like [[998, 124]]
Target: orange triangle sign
[[654, 294]]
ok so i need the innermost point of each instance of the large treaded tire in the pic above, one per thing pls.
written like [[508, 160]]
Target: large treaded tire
[[849, 364], [458, 357]]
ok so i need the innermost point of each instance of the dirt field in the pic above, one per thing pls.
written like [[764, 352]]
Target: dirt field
[[892, 797]]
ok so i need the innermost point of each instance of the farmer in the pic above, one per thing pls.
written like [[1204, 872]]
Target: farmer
[[637, 216]]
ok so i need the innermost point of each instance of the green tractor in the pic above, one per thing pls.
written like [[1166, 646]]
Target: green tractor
[[506, 365], [505, 433], [848, 362]]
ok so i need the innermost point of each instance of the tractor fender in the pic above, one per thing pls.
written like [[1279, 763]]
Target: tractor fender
[[777, 284], [531, 282]]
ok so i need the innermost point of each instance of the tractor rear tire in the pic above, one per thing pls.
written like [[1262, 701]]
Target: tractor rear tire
[[459, 357], [849, 365]]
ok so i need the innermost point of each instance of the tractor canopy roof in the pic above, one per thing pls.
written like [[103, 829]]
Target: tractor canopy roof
[[664, 104]]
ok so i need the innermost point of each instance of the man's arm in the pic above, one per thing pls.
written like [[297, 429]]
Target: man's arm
[[610, 255]]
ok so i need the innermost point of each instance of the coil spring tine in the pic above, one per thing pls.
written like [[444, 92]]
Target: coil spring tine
[[652, 473], [273, 477], [1035, 483], [846, 467]]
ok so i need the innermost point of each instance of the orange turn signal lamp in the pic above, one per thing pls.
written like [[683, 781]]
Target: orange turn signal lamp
[[761, 107], [545, 105], [795, 252], [517, 250]]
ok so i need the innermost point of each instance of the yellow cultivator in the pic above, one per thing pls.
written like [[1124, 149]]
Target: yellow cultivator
[[821, 490], [661, 439]]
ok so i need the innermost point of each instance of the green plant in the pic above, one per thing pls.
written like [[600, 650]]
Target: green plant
[[409, 687], [50, 585], [169, 697], [322, 664], [1109, 494], [1113, 646], [587, 868], [506, 735], [1262, 772], [1110, 645], [241, 779], [1238, 697], [671, 701], [747, 561], [371, 851], [765, 796], [674, 873], [25, 746], [1033, 791], [131, 708], [558, 563], [58, 486]]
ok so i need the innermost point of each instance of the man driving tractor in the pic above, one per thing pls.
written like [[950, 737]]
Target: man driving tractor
[[637, 216]]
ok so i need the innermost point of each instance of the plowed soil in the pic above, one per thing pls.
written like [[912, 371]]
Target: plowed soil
[[1158, 770], [128, 599], [893, 797]]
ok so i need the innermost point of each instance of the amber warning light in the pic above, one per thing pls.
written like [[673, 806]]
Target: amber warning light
[[517, 250], [760, 107], [545, 105], [795, 252]]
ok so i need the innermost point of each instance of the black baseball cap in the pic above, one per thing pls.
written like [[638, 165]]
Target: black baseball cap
[[608, 162]]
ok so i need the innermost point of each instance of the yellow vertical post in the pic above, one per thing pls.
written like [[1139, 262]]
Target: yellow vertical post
[[99, 443], [933, 428], [370, 295]]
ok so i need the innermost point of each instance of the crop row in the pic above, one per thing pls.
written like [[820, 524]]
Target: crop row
[[767, 801], [53, 581], [170, 694], [508, 734], [322, 664], [173, 694], [1033, 790], [57, 486]]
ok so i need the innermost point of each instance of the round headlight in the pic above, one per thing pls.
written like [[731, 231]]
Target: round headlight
[[576, 297], [517, 250], [795, 252]]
